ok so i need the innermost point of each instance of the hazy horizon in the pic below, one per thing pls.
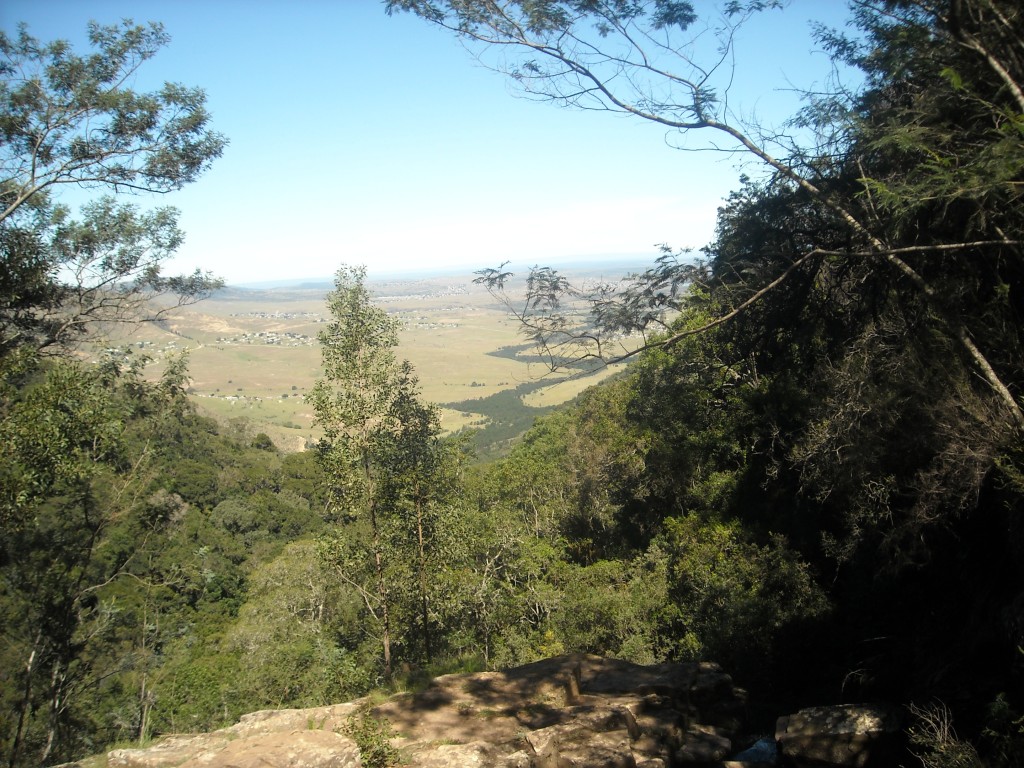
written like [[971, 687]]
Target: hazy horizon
[[454, 270], [378, 140]]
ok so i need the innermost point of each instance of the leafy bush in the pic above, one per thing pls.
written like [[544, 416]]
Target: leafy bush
[[373, 737], [732, 600]]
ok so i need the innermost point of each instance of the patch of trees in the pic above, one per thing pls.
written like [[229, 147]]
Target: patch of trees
[[507, 417]]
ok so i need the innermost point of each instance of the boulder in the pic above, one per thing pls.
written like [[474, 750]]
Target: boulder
[[295, 749], [704, 744], [857, 735], [289, 738], [475, 755], [169, 752]]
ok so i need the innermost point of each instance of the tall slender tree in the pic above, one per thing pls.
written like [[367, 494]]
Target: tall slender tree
[[379, 452]]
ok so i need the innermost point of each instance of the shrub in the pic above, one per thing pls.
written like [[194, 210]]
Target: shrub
[[373, 737]]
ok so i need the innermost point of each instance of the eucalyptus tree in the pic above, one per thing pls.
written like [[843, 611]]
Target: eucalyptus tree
[[379, 453], [73, 120], [423, 488]]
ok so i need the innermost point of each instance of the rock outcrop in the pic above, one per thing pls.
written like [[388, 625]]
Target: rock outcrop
[[296, 738], [576, 710], [855, 735]]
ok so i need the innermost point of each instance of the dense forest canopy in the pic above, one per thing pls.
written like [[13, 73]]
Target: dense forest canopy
[[812, 473]]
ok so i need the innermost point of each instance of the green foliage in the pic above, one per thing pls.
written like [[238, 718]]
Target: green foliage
[[1003, 735], [823, 494], [263, 442], [69, 119], [96, 129], [65, 482], [373, 737], [85, 504], [508, 417], [116, 592], [387, 472], [570, 477], [615, 608], [197, 692], [285, 633], [732, 600], [195, 482], [846, 366]]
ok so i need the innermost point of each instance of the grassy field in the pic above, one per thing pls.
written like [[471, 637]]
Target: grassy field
[[253, 355]]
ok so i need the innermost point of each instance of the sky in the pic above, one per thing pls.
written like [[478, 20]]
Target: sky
[[361, 138]]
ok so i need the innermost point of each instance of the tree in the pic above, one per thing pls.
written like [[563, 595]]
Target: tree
[[69, 119], [644, 60], [284, 634], [68, 478], [377, 451], [421, 487], [73, 467]]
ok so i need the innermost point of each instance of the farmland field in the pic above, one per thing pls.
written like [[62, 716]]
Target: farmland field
[[253, 356]]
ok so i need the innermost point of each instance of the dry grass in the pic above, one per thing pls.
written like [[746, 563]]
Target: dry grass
[[253, 355]]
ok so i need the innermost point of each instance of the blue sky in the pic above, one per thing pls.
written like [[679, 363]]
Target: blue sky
[[365, 139]]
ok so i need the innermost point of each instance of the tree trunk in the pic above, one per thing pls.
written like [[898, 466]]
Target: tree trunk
[[382, 591], [26, 701], [378, 564], [57, 683], [424, 605]]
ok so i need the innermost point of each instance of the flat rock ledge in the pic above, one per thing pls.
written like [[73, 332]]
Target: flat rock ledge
[[576, 710]]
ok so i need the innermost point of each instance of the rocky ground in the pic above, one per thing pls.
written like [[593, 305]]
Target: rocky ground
[[576, 710]]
